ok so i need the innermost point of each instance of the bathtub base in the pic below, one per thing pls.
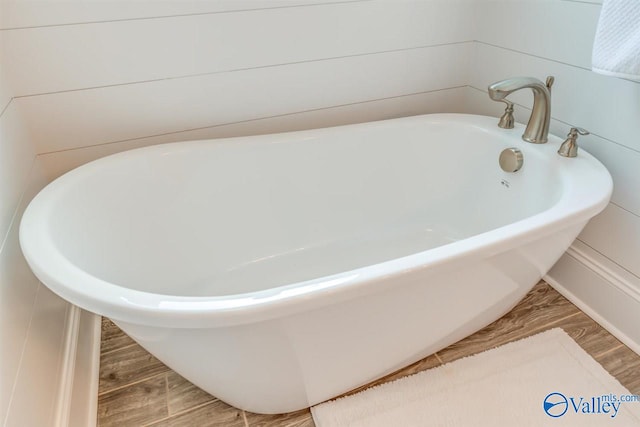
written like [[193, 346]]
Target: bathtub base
[[286, 364]]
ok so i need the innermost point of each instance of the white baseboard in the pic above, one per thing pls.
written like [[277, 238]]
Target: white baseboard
[[65, 387], [606, 292], [78, 396]]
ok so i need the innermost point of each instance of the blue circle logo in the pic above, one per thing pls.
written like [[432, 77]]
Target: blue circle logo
[[555, 404]]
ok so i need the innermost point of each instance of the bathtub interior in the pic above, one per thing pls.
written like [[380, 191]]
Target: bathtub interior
[[226, 217]]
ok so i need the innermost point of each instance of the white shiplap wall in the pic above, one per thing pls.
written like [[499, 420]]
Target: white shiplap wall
[[601, 273], [33, 321], [89, 78], [127, 79]]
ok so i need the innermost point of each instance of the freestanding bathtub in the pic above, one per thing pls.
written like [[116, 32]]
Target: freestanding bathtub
[[278, 271]]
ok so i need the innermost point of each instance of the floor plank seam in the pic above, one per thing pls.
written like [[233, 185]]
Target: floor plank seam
[[115, 350], [180, 413], [111, 390], [166, 393], [611, 350], [549, 325]]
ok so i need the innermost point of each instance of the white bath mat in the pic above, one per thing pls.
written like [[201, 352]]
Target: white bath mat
[[543, 380]]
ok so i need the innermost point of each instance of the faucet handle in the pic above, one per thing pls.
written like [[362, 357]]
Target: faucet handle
[[574, 131], [549, 82], [507, 120], [569, 147]]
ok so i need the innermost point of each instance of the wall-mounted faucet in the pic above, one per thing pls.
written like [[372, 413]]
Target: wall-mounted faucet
[[537, 130]]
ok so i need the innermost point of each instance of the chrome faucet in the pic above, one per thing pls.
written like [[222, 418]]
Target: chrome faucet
[[537, 130]]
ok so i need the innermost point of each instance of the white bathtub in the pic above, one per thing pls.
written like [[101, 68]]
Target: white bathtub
[[278, 271]]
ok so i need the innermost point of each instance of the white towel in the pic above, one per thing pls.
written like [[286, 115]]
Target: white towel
[[616, 50]]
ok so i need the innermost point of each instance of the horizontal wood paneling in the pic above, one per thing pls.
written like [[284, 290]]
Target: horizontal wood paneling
[[559, 30], [624, 166], [36, 13], [615, 233], [16, 157], [584, 1], [5, 93], [446, 100], [93, 55], [89, 117]]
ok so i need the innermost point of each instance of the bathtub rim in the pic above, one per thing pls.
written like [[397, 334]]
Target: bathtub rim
[[141, 307]]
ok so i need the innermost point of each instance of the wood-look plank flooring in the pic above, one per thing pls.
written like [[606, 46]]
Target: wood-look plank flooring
[[136, 389]]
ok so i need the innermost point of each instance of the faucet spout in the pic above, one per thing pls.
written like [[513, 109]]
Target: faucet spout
[[537, 130]]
